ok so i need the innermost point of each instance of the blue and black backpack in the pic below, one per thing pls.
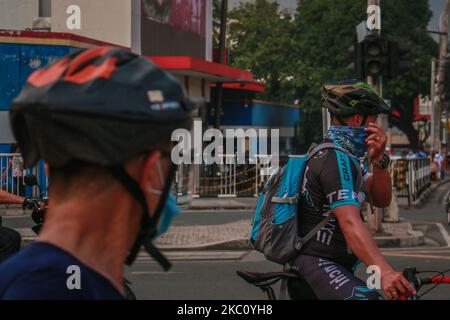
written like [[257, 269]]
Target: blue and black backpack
[[274, 229]]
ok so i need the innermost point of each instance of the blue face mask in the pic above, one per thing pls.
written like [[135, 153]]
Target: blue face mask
[[350, 138], [170, 209], [169, 212]]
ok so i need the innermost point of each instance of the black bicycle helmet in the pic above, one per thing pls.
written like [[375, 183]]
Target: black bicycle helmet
[[101, 105], [104, 106], [348, 97]]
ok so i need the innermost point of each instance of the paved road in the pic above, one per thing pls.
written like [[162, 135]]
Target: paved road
[[212, 274], [211, 217], [433, 209], [186, 218], [431, 217]]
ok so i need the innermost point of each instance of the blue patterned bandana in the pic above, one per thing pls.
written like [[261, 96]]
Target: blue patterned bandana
[[350, 138]]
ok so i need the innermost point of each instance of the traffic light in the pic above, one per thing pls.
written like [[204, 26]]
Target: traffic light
[[356, 67], [374, 55], [399, 58]]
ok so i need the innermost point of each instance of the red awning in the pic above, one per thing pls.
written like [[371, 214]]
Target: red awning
[[233, 78], [245, 86], [191, 66]]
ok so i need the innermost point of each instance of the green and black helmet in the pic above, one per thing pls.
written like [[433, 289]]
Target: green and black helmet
[[348, 97]]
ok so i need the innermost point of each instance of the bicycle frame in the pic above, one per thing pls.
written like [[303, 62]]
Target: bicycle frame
[[410, 274], [264, 281]]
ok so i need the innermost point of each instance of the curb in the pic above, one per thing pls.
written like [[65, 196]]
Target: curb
[[234, 244], [244, 243], [399, 242], [218, 208], [424, 196], [223, 208]]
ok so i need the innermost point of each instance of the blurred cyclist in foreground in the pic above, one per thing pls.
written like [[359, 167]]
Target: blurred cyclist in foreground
[[102, 119]]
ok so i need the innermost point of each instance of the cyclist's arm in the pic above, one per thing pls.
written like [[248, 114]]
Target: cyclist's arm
[[364, 247], [8, 198], [377, 185]]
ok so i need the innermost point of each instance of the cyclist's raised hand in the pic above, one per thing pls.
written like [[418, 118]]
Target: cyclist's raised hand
[[395, 284]]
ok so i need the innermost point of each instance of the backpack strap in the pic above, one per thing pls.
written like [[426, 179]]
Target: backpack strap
[[327, 145], [301, 241]]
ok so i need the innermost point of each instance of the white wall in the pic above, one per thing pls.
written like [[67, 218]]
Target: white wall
[[104, 20], [18, 14], [6, 135]]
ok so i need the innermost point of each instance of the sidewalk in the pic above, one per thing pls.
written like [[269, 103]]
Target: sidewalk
[[235, 235], [225, 203]]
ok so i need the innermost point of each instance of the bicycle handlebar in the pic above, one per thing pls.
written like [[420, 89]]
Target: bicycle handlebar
[[38, 211], [411, 275]]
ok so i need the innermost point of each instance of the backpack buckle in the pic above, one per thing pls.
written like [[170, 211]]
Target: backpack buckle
[[298, 245]]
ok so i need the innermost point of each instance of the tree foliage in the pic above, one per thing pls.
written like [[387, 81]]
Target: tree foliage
[[411, 30], [261, 40], [295, 57]]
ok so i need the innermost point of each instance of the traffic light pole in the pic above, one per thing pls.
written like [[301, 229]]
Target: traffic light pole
[[219, 87], [433, 103], [374, 218], [437, 110]]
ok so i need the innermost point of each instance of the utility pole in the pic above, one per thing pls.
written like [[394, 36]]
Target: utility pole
[[374, 15], [437, 110], [219, 88], [432, 138]]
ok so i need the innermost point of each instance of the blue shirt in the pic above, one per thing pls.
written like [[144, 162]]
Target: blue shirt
[[44, 271]]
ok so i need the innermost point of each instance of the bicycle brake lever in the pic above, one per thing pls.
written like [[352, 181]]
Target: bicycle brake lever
[[410, 275]]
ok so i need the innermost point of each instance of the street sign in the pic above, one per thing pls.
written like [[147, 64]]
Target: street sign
[[362, 31], [373, 18], [424, 105]]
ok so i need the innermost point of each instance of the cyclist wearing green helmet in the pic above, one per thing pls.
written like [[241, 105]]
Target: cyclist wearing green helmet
[[337, 183]]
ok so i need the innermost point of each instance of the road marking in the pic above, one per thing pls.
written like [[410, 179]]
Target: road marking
[[413, 248], [418, 251], [444, 233], [392, 254], [153, 272], [444, 201], [16, 217]]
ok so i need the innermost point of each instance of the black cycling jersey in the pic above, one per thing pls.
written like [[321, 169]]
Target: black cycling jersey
[[331, 179]]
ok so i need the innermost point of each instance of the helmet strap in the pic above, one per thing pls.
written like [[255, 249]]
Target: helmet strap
[[364, 119], [341, 121], [147, 229]]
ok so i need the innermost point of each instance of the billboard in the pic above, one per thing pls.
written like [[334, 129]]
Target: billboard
[[173, 27], [188, 15]]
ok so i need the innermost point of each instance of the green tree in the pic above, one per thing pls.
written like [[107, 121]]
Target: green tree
[[325, 30], [217, 12], [295, 57], [406, 22], [261, 41]]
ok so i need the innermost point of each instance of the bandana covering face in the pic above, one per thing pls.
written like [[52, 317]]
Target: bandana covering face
[[350, 138]]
